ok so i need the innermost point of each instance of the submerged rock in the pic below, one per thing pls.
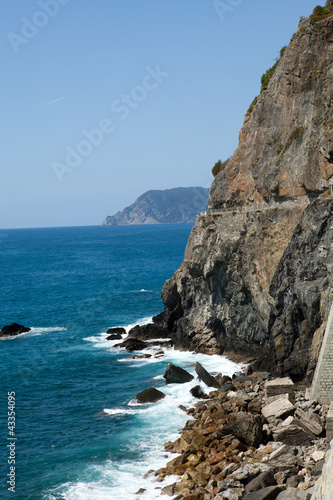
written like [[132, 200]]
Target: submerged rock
[[13, 329]]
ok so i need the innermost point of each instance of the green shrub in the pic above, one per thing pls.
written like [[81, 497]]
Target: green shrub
[[219, 165], [320, 13], [265, 79]]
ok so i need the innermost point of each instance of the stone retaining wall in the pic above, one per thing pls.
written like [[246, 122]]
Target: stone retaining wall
[[322, 385]]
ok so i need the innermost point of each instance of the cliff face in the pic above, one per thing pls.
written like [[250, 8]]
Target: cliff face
[[163, 207], [257, 274]]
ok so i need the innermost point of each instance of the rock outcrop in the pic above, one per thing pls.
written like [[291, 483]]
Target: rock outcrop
[[13, 329], [169, 206], [257, 275]]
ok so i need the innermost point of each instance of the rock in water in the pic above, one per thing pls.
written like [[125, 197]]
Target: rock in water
[[150, 395], [206, 377], [132, 345], [176, 375], [13, 329], [114, 336], [116, 330], [197, 392]]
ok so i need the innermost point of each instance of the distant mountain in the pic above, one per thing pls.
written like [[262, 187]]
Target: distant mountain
[[162, 207]]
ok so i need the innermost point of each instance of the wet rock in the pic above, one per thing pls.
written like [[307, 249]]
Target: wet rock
[[205, 377], [150, 395], [116, 331], [140, 356], [133, 345], [140, 491], [176, 375], [197, 392], [13, 329], [114, 336]]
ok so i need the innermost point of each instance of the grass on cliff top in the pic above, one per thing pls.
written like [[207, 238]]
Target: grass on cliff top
[[265, 79], [320, 13]]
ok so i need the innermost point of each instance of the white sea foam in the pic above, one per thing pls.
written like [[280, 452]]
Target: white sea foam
[[119, 411], [155, 424], [99, 339]]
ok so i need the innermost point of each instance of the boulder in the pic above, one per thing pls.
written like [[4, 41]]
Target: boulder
[[284, 462], [255, 405], [13, 329], [116, 331], [205, 377], [133, 345], [114, 336], [150, 395], [292, 435], [246, 427], [197, 392], [176, 375], [279, 386], [262, 481], [269, 493], [292, 494], [282, 407], [309, 423]]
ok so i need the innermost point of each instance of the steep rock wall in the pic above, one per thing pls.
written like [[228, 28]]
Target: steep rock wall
[[256, 278]]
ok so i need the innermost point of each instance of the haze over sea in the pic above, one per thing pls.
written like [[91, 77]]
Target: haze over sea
[[78, 435]]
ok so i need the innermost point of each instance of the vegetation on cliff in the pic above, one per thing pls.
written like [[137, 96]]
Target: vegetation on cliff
[[319, 13], [219, 165], [265, 79]]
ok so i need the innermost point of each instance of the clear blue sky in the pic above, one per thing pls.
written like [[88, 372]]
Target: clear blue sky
[[167, 82]]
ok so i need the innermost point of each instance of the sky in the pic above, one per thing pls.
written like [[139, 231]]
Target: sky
[[102, 100]]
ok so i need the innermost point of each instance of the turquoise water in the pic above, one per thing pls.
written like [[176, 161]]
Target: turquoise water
[[78, 434]]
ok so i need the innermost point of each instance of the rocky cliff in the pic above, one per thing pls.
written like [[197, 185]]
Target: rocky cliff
[[257, 274], [169, 206]]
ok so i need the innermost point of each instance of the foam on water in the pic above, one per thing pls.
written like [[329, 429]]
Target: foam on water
[[154, 424], [119, 411]]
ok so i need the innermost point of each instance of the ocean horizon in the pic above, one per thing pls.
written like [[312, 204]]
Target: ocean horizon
[[78, 432]]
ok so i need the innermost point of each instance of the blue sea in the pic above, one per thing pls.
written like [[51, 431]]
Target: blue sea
[[78, 435]]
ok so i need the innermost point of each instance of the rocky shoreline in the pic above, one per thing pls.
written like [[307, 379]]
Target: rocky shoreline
[[253, 438]]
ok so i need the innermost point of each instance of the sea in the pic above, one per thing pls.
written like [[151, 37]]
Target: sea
[[70, 428]]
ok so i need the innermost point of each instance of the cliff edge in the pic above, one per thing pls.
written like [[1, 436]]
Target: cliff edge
[[257, 274]]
